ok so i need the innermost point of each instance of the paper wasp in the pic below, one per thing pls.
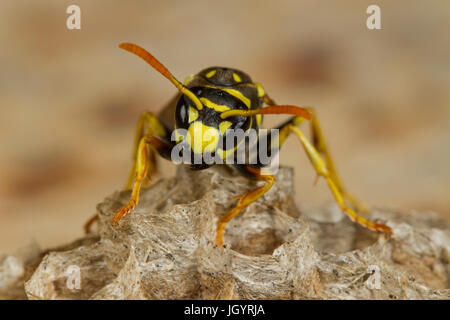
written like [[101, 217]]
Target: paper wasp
[[217, 100]]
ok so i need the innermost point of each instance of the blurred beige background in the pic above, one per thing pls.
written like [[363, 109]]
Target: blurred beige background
[[69, 100]]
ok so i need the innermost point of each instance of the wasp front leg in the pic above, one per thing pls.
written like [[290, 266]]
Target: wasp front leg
[[145, 146], [148, 125], [148, 131], [322, 168], [320, 145], [141, 169], [246, 199]]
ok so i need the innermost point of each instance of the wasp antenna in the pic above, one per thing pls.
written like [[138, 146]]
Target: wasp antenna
[[158, 66], [282, 109]]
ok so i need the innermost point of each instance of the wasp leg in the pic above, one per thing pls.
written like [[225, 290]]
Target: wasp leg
[[245, 200], [321, 168], [320, 145], [146, 145], [148, 125]]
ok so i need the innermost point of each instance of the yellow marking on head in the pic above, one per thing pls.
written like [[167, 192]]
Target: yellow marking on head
[[202, 138], [188, 79], [193, 114], [235, 93], [258, 119], [211, 73], [223, 126], [236, 77], [261, 92], [218, 107]]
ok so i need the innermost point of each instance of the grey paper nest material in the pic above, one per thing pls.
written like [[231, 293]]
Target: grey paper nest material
[[165, 250]]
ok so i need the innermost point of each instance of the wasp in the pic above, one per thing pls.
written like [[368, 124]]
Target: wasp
[[217, 100]]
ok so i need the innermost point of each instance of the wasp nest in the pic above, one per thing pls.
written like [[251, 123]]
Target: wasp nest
[[165, 249]]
